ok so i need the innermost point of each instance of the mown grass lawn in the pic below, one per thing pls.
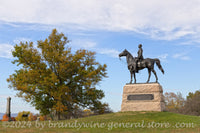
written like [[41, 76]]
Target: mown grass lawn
[[127, 122]]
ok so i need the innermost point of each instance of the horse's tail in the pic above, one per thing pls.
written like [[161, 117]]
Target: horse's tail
[[159, 65]]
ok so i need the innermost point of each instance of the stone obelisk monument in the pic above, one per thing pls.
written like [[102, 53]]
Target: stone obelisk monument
[[8, 113]]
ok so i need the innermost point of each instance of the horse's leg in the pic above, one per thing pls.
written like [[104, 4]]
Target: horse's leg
[[149, 71], [134, 77], [131, 77], [155, 75]]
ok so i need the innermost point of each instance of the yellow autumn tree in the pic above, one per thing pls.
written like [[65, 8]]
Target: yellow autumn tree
[[20, 116], [174, 102], [53, 78]]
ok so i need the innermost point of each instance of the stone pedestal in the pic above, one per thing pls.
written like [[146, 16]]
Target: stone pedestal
[[143, 97]]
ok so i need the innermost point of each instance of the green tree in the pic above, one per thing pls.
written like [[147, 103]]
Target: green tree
[[53, 79], [192, 105], [192, 95]]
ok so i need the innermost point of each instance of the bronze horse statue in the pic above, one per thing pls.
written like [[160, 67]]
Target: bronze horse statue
[[145, 63]]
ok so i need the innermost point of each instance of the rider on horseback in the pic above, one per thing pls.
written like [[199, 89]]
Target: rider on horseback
[[142, 63], [140, 56]]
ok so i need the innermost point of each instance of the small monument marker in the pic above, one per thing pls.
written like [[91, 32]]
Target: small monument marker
[[8, 112]]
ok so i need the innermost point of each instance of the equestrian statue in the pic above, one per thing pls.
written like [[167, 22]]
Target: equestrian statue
[[138, 63]]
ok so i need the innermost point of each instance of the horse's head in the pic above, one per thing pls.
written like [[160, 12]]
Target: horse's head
[[124, 53]]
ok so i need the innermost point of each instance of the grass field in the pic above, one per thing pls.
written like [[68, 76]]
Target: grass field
[[127, 122]]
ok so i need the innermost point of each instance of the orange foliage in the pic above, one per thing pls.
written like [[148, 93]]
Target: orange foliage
[[43, 118], [13, 118], [34, 118], [5, 117], [30, 117]]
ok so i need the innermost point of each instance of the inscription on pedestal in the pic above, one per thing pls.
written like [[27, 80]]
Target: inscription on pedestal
[[140, 97]]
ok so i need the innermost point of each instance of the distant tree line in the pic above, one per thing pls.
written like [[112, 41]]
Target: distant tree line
[[189, 106]]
